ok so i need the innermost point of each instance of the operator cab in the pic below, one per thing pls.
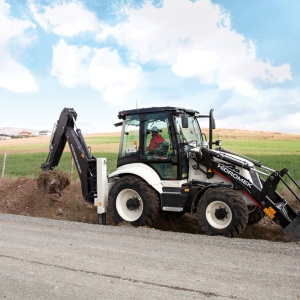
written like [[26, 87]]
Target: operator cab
[[160, 137]]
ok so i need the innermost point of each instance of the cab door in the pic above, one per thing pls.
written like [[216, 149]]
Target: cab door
[[159, 158], [129, 149]]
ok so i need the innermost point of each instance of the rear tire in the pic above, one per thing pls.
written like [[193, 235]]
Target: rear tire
[[222, 211], [132, 200]]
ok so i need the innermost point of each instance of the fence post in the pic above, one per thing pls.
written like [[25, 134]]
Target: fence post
[[3, 166]]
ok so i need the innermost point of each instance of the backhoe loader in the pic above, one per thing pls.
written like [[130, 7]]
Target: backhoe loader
[[183, 174]]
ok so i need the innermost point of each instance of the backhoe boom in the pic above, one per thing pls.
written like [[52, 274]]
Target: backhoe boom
[[85, 163]]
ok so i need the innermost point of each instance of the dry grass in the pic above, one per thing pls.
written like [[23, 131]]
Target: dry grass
[[41, 144], [230, 134]]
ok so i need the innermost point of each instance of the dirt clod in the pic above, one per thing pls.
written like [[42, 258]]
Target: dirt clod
[[53, 182]]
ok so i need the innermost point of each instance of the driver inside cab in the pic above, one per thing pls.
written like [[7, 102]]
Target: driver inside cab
[[156, 139]]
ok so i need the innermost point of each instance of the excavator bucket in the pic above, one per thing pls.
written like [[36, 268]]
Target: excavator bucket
[[292, 232]]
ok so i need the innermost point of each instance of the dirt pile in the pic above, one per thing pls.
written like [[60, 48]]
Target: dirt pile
[[53, 182], [24, 196]]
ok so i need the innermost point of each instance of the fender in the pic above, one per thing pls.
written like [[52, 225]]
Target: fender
[[202, 192], [140, 170]]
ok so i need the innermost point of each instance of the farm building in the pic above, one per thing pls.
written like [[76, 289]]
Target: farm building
[[25, 133], [5, 137]]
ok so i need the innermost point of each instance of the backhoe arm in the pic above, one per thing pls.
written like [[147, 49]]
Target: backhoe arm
[[85, 163], [58, 140]]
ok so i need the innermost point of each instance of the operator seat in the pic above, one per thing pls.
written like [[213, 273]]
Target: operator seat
[[162, 149]]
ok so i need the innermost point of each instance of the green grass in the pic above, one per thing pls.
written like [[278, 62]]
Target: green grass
[[271, 153], [19, 165], [95, 140], [263, 147]]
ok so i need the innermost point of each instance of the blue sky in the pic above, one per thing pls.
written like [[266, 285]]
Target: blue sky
[[99, 57]]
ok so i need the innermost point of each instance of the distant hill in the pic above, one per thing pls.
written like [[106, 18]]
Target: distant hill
[[16, 131]]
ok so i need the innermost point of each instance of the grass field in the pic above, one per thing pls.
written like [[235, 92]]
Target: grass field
[[277, 151]]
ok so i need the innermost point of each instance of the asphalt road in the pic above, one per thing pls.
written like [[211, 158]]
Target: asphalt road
[[48, 259]]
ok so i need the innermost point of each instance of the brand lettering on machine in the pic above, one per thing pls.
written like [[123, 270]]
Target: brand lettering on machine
[[234, 175], [75, 158]]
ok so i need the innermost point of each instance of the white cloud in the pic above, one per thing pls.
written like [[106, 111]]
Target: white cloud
[[65, 19], [195, 38], [16, 35], [14, 76], [285, 123], [273, 109], [70, 64], [102, 69], [13, 28], [109, 76]]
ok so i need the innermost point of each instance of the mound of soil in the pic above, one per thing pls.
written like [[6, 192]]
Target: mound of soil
[[31, 197], [53, 182], [25, 196]]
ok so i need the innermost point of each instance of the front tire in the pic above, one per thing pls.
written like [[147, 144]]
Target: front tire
[[255, 214], [132, 200], [221, 211]]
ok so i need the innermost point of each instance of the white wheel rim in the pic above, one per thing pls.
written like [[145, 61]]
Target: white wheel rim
[[121, 205], [212, 218]]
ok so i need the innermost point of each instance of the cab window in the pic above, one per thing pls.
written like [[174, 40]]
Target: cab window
[[190, 134], [130, 142], [157, 136]]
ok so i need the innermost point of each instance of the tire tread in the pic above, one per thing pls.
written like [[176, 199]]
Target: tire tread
[[231, 198]]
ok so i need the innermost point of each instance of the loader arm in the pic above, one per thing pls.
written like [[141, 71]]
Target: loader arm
[[266, 198], [63, 132]]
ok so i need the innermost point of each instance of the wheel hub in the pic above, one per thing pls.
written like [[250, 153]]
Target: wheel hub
[[218, 214], [133, 203], [221, 213]]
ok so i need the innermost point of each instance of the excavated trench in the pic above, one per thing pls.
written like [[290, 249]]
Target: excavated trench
[[54, 196]]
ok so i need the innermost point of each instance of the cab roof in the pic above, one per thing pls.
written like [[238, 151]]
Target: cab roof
[[122, 114]]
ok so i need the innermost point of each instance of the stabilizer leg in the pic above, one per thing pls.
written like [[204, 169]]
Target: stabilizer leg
[[102, 219]]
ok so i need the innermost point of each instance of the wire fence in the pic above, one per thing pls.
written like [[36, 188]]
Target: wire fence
[[8, 165]]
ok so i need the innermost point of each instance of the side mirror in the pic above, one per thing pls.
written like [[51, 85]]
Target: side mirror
[[184, 121], [218, 143], [212, 125]]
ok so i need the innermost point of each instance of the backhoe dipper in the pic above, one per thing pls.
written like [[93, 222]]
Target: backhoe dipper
[[183, 174]]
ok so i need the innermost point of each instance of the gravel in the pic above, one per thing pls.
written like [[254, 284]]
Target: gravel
[[60, 259]]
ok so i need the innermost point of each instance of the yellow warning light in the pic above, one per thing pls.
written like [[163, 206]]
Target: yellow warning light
[[209, 170], [186, 190], [99, 203], [270, 212]]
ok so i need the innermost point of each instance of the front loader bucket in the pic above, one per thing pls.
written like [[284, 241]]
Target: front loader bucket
[[292, 232]]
